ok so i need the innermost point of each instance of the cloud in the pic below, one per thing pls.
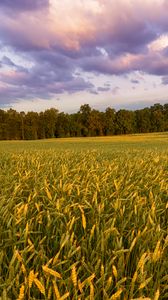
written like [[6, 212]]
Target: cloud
[[7, 61], [103, 89], [107, 84], [135, 81], [153, 63], [165, 80], [43, 80], [115, 90], [126, 26], [64, 38], [23, 5], [10, 94]]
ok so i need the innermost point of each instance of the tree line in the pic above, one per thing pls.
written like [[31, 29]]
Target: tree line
[[86, 122]]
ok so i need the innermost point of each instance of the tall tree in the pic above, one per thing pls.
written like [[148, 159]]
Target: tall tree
[[109, 121], [13, 125], [85, 112], [22, 116], [157, 117], [50, 118], [62, 125], [125, 122], [143, 120], [95, 123], [75, 126], [86, 122], [31, 126], [165, 112], [3, 125]]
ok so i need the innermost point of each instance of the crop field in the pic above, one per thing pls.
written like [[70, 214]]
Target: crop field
[[84, 218]]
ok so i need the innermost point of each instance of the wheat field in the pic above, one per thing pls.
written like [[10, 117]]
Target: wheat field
[[84, 218]]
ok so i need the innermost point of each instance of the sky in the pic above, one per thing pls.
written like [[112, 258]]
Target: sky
[[62, 54]]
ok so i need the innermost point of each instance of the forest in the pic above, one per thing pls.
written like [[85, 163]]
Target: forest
[[86, 122]]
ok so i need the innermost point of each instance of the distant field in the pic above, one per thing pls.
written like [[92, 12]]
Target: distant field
[[84, 218]]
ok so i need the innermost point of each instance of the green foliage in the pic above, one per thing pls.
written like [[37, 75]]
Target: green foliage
[[86, 122]]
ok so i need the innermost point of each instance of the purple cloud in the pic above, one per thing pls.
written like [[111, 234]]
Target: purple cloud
[[60, 53], [7, 61], [103, 89], [131, 36], [13, 93], [165, 80], [23, 5], [153, 63], [43, 80], [107, 84], [104, 65], [135, 81]]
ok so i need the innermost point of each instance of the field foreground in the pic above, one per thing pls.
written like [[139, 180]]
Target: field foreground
[[84, 218]]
